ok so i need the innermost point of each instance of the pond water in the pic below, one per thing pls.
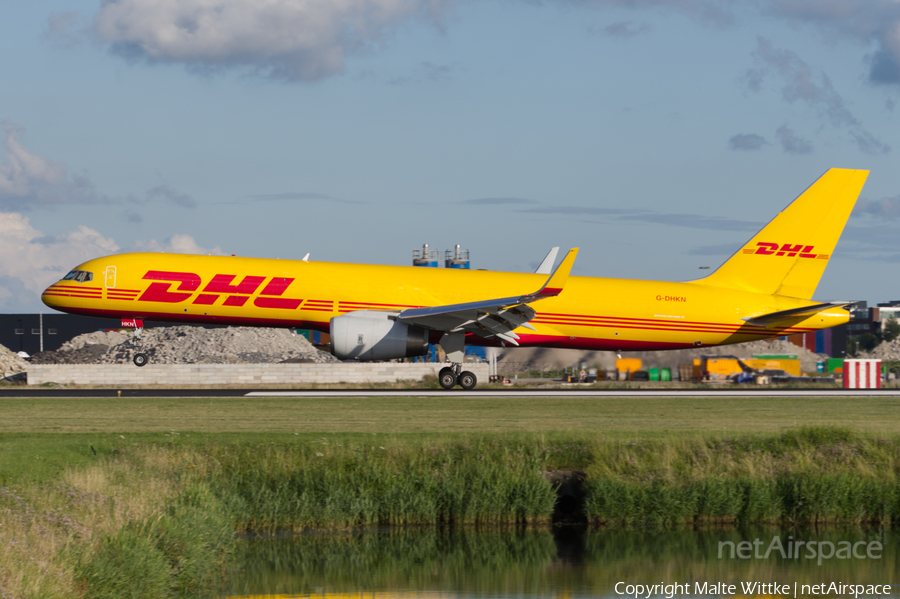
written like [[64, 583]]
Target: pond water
[[568, 562]]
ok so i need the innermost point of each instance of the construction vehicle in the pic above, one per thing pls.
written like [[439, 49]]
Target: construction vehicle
[[719, 368]]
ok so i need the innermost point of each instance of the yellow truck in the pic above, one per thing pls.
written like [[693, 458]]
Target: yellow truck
[[726, 368], [790, 365], [718, 368]]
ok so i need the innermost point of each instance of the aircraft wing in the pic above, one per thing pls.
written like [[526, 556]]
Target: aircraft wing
[[806, 311], [493, 318]]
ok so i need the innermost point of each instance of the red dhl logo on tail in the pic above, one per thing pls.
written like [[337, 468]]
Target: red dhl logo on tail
[[791, 251]]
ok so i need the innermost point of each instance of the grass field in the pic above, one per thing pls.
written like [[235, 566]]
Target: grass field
[[455, 414], [140, 497]]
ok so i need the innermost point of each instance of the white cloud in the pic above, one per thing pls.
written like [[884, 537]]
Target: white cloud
[[298, 40], [883, 208], [621, 30], [871, 21], [867, 22], [719, 12], [286, 39], [37, 260], [25, 174], [746, 141], [28, 180], [791, 142], [176, 244], [164, 193], [802, 84], [31, 260]]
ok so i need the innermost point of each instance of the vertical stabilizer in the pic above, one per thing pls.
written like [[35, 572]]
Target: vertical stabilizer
[[788, 256]]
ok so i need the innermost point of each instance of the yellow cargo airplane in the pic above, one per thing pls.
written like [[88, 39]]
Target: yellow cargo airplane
[[384, 312]]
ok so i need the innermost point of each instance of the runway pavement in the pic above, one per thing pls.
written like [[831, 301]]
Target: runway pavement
[[747, 392], [509, 392]]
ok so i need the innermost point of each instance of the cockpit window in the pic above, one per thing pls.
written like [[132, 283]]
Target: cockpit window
[[79, 275]]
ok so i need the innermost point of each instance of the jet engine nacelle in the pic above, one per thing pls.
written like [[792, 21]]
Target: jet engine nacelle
[[365, 335]]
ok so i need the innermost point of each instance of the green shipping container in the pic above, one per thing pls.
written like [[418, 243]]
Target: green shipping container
[[833, 363]]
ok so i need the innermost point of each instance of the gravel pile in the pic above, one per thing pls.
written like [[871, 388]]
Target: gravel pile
[[886, 350], [189, 345], [10, 363], [523, 359]]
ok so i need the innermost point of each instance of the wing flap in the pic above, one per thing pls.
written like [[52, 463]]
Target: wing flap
[[493, 318]]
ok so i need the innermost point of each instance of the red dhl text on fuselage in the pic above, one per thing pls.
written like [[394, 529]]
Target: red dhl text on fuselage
[[590, 313]]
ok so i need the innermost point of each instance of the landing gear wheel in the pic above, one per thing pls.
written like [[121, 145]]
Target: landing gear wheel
[[447, 378], [467, 380], [140, 359]]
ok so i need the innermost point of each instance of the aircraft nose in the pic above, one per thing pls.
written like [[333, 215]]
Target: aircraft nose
[[51, 297]]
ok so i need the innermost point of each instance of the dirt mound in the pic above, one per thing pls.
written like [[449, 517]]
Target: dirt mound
[[524, 359], [10, 363], [189, 345], [107, 338], [886, 350]]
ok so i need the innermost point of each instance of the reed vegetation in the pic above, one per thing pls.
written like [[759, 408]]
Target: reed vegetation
[[156, 516], [804, 475], [127, 526], [332, 484]]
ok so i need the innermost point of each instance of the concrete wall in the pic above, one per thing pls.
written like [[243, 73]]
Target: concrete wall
[[236, 374]]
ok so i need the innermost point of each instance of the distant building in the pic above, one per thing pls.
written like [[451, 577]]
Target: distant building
[[425, 257], [863, 319], [871, 320], [26, 332], [887, 311], [455, 258], [832, 342]]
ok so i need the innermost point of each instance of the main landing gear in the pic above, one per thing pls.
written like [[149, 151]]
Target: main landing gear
[[454, 345], [451, 376]]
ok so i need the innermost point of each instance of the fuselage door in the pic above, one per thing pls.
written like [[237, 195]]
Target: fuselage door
[[110, 277]]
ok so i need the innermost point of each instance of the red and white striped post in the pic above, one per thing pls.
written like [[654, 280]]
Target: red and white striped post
[[862, 374]]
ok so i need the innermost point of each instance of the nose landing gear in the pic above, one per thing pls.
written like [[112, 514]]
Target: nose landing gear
[[139, 358]]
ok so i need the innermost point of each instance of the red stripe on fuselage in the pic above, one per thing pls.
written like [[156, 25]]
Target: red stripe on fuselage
[[204, 318], [363, 305], [58, 286], [71, 294]]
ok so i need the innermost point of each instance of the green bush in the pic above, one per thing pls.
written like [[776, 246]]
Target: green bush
[[804, 475], [179, 553], [127, 565], [294, 487]]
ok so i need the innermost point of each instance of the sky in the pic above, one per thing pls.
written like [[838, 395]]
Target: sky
[[656, 135]]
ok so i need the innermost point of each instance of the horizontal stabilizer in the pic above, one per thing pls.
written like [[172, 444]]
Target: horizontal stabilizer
[[806, 311]]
